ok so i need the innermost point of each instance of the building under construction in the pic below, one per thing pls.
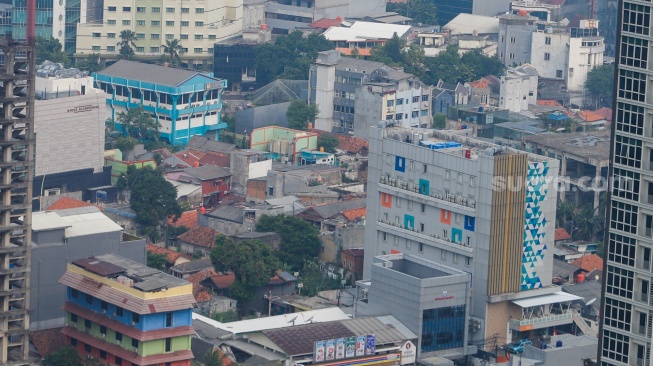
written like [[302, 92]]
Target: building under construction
[[16, 147]]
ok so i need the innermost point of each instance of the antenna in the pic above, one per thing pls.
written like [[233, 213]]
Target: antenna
[[292, 320], [310, 319]]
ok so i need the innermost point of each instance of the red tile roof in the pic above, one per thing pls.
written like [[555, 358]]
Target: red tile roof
[[480, 84], [561, 234], [361, 51], [200, 236], [222, 280], [170, 254], [67, 202], [203, 296], [188, 219], [325, 23], [196, 278], [606, 113], [47, 341], [589, 116], [350, 144], [190, 157], [354, 214], [551, 103], [356, 252], [589, 263]]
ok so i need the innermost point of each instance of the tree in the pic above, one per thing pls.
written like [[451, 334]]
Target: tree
[[564, 212], [440, 121], [156, 261], [252, 262], [64, 356], [126, 144], [600, 83], [153, 198], [173, 50], [213, 358], [50, 49], [328, 142], [127, 44], [290, 56], [585, 223], [422, 11], [300, 241], [300, 113], [397, 52], [92, 63], [139, 124], [315, 280]]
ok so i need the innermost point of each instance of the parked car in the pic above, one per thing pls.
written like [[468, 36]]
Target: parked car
[[518, 347]]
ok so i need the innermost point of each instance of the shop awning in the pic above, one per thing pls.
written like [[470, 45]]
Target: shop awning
[[554, 298]]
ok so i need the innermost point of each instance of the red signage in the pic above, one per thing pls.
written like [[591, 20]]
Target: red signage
[[443, 298]]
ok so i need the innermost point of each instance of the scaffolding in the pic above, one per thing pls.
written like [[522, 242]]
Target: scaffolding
[[16, 172]]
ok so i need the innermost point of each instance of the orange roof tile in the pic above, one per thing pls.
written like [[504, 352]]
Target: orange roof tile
[[196, 278], [589, 262], [561, 234], [170, 254], [200, 236], [188, 219], [350, 144], [480, 84], [589, 116], [202, 296], [325, 23], [355, 214], [67, 202], [551, 103], [47, 341], [223, 280], [361, 51], [190, 157], [606, 113]]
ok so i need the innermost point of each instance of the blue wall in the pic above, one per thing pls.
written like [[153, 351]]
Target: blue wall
[[146, 322]]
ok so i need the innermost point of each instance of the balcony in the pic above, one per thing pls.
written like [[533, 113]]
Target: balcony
[[460, 204], [540, 322], [416, 235]]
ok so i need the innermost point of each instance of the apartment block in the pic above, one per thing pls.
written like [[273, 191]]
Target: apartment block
[[627, 309], [477, 207], [197, 24], [125, 313]]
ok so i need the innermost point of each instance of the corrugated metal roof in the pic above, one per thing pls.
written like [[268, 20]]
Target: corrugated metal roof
[[155, 74], [468, 23], [77, 221], [384, 331]]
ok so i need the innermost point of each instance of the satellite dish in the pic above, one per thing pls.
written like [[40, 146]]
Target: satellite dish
[[310, 319], [590, 302], [292, 320]]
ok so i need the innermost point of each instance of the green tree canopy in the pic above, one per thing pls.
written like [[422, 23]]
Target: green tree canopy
[[127, 44], [422, 11], [64, 356], [300, 113], [93, 63], [173, 49], [156, 261], [152, 197], [50, 49], [397, 52], [315, 280], [290, 56], [139, 124], [328, 142], [440, 120], [300, 241], [252, 262], [600, 82]]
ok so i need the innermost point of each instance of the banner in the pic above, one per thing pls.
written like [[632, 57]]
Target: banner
[[340, 349], [369, 346], [331, 349], [351, 347], [319, 351], [360, 345]]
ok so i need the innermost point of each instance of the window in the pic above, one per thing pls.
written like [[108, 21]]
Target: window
[[170, 10], [423, 208], [424, 112], [632, 85], [183, 36], [621, 249], [212, 36], [421, 247], [136, 318], [87, 348], [140, 49], [185, 10], [624, 217], [74, 293], [399, 116], [96, 48], [97, 35], [170, 23], [472, 181], [73, 318], [111, 35], [197, 50], [415, 114], [415, 99], [126, 22], [155, 23], [199, 36], [384, 235], [400, 101], [87, 324], [390, 103], [140, 9], [111, 8], [103, 330], [199, 24], [559, 74], [425, 98], [636, 18], [168, 344], [127, 8], [199, 10], [468, 261], [154, 36], [634, 52], [73, 342], [625, 184], [425, 168], [119, 311], [104, 306], [617, 314], [156, 9], [443, 328], [547, 56], [628, 151], [168, 319], [616, 345], [513, 39], [135, 343], [89, 299], [170, 36], [118, 361], [118, 336], [512, 56], [111, 21], [140, 23], [547, 40], [184, 23], [421, 227], [140, 35], [620, 282]]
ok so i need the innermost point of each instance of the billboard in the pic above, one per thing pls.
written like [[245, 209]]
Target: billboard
[[369, 345], [343, 348], [319, 351], [351, 347], [340, 348], [360, 345], [331, 349]]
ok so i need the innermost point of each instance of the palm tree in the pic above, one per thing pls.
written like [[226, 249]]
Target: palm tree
[[127, 43], [564, 212], [173, 49], [213, 358], [585, 223]]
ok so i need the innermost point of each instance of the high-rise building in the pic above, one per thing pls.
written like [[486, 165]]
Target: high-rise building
[[627, 323], [125, 313], [16, 143], [473, 206]]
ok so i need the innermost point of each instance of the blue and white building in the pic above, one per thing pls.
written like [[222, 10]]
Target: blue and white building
[[184, 102]]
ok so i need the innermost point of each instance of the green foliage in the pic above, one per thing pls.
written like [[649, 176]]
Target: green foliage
[[152, 197], [230, 120], [300, 241], [328, 142], [290, 56], [397, 52], [92, 63], [50, 49], [440, 120], [226, 317], [300, 113], [252, 262], [315, 280], [139, 124], [422, 11], [157, 261], [127, 44], [600, 82], [126, 144], [213, 358], [564, 212], [451, 67], [173, 50], [64, 356]]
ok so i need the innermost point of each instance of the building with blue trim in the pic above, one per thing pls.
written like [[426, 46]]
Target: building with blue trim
[[184, 102]]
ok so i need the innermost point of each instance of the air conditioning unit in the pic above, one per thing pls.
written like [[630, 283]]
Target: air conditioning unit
[[52, 192]]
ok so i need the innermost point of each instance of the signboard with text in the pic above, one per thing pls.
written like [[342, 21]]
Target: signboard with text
[[344, 348]]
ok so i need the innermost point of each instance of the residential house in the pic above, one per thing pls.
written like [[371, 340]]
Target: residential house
[[589, 263], [232, 218], [441, 99], [566, 253], [173, 257], [198, 241], [352, 262], [518, 88], [564, 272], [282, 143], [208, 303], [183, 270], [202, 143], [214, 180], [583, 247], [271, 239], [246, 165], [190, 158], [187, 219], [187, 193], [283, 283], [480, 92], [363, 36], [561, 236], [219, 283], [285, 180]]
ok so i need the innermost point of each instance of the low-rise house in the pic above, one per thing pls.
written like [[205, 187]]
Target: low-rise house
[[201, 143], [564, 272], [565, 253], [589, 263], [190, 158], [187, 219], [285, 180], [215, 181], [352, 262], [184, 270], [198, 241], [218, 284], [561, 236], [208, 303], [173, 257], [271, 239], [283, 283]]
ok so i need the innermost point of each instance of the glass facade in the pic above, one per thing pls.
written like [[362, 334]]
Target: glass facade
[[43, 18], [443, 328], [73, 9]]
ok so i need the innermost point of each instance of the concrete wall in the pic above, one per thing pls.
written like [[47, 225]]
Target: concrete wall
[[253, 13], [514, 42], [256, 190], [565, 355], [582, 59], [49, 259], [558, 51], [78, 119], [324, 94], [262, 116]]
